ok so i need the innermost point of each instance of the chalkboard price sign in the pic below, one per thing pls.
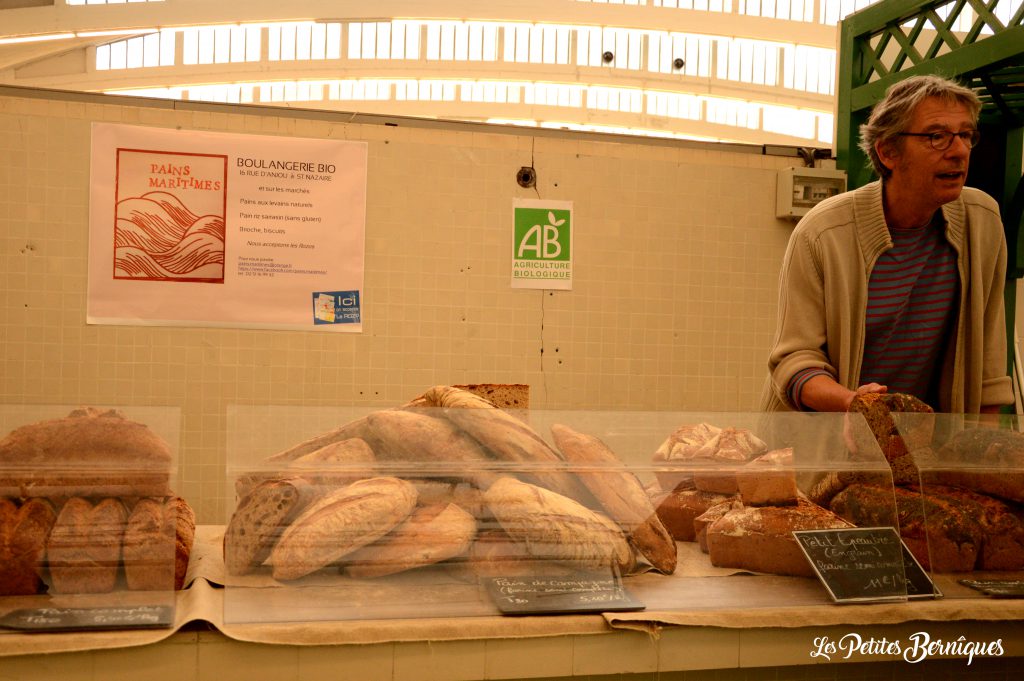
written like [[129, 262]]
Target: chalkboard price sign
[[865, 564], [77, 619], [560, 595]]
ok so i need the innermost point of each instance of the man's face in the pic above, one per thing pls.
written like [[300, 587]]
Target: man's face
[[921, 173]]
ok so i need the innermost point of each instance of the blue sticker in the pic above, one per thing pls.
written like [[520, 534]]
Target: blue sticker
[[336, 307]]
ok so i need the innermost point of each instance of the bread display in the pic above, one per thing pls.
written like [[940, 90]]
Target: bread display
[[760, 538], [428, 536], [84, 548], [620, 494], [158, 540], [90, 452], [339, 523], [24, 531], [554, 527]]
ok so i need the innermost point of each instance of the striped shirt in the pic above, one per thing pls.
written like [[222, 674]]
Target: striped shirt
[[912, 296]]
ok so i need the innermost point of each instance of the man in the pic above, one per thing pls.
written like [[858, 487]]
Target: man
[[898, 285]]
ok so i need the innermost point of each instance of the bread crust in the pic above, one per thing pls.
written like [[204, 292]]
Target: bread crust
[[339, 523], [259, 520], [84, 549], [620, 494], [157, 544], [24, 531]]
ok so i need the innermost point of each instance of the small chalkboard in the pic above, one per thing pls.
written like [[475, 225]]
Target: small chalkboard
[[90, 619], [996, 588], [864, 564], [560, 595]]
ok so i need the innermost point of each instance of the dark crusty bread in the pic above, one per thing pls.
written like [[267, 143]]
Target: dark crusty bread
[[501, 395], [259, 520], [24, 531], [706, 519], [760, 538], [157, 544], [1002, 541], [90, 452], [898, 437], [620, 494], [680, 507], [941, 536], [84, 549]]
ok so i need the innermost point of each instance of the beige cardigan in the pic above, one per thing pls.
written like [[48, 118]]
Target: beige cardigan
[[823, 291]]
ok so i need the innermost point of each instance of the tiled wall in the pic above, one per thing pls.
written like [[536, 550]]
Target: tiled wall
[[676, 249]]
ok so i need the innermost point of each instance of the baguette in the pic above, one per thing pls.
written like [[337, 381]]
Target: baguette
[[340, 523], [620, 494], [554, 527]]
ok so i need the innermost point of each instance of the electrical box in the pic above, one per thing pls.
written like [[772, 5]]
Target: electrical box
[[800, 189]]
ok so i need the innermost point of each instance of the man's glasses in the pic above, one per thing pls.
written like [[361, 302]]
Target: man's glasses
[[943, 139]]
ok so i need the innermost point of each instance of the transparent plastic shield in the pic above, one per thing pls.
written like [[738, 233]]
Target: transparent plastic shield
[[88, 517], [342, 514], [971, 479]]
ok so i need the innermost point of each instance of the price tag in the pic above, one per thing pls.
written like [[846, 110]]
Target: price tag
[[74, 619], [865, 564], [560, 595]]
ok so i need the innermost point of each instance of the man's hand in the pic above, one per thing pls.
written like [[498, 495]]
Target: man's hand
[[823, 393]]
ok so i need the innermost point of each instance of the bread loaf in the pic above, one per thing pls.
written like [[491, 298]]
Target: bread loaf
[[760, 538], [90, 452], [769, 480], [680, 507], [430, 535], [679, 447], [84, 549], [723, 454], [554, 527], [338, 463], [706, 519], [938, 533], [415, 436], [620, 494], [501, 395], [986, 460], [24, 531], [508, 439], [259, 520], [898, 437], [339, 523], [157, 544], [1002, 538], [359, 428]]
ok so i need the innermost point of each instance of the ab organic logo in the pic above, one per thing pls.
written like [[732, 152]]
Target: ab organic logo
[[542, 246]]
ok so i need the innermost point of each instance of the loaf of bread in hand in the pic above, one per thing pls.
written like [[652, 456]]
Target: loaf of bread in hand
[[84, 549], [620, 493], [339, 523], [24, 531]]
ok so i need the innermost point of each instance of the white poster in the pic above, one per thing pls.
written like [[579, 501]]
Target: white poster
[[542, 244], [192, 228]]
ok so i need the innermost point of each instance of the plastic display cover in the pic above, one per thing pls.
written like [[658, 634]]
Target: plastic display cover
[[414, 512]]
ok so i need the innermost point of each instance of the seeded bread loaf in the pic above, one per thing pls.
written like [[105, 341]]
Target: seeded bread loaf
[[24, 531], [339, 523], [896, 435], [1002, 538], [620, 494], [84, 548], [259, 520], [986, 460], [760, 538], [941, 536]]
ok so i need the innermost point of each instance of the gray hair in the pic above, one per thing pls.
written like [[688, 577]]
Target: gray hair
[[892, 115]]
